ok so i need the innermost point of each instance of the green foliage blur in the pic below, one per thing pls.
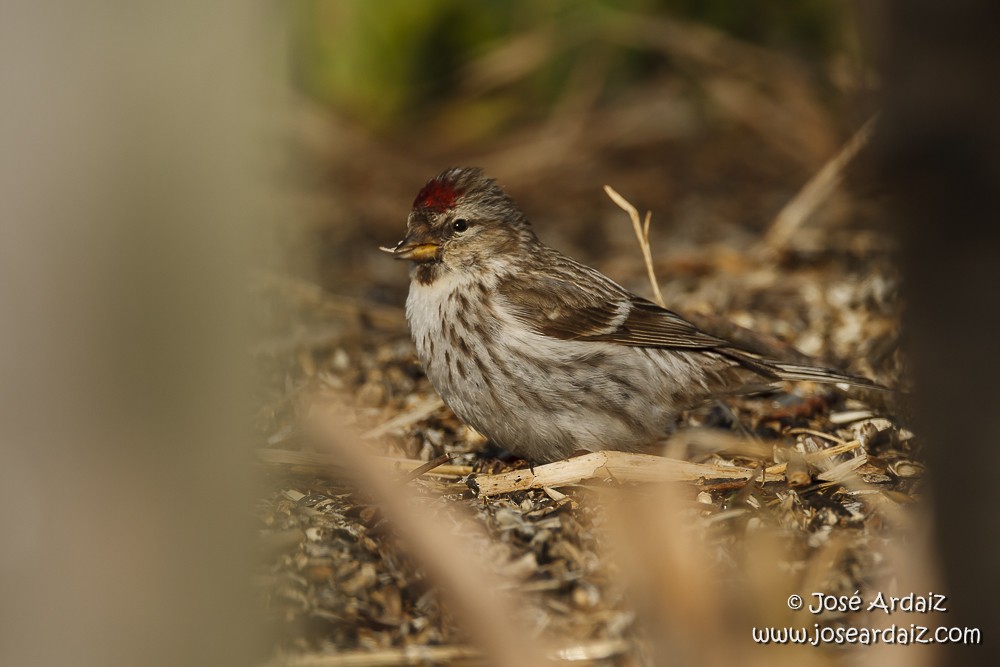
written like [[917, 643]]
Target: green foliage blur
[[390, 64]]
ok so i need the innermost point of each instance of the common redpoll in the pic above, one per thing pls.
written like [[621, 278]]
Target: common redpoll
[[546, 356]]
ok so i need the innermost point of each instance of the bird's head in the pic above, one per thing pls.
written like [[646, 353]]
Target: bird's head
[[462, 220]]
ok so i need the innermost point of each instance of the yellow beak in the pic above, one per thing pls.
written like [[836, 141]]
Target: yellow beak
[[416, 247], [423, 252]]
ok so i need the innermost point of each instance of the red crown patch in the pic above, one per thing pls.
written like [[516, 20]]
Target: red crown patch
[[437, 196]]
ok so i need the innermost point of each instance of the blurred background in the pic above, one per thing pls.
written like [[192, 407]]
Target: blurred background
[[181, 184], [710, 114]]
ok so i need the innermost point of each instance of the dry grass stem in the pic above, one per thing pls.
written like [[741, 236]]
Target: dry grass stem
[[447, 544], [420, 411], [819, 434], [612, 466], [642, 235], [830, 452], [607, 465], [844, 470], [583, 653], [816, 191], [424, 469], [394, 657]]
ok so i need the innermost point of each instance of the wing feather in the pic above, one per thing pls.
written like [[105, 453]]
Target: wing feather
[[556, 305], [559, 307], [649, 325]]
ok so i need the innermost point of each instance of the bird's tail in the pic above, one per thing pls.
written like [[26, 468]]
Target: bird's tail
[[794, 372], [802, 372]]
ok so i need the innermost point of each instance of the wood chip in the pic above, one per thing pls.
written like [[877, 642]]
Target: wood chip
[[613, 466]]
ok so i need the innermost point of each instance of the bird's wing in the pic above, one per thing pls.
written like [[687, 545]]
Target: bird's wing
[[650, 325], [559, 307]]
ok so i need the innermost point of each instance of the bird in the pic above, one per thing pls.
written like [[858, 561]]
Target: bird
[[545, 356]]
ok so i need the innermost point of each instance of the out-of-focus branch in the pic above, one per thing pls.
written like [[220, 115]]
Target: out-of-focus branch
[[490, 617], [816, 191]]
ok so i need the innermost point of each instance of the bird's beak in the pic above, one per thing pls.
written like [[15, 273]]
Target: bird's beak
[[417, 246]]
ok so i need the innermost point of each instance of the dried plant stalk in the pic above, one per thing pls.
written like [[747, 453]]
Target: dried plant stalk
[[419, 412], [641, 234], [817, 190], [580, 653], [446, 545], [616, 466], [392, 657]]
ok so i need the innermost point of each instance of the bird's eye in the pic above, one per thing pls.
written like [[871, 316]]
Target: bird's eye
[[460, 225]]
